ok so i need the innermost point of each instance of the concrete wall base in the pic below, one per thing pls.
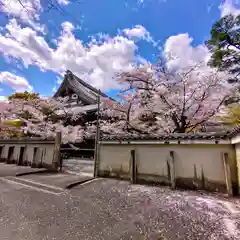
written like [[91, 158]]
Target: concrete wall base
[[182, 183]]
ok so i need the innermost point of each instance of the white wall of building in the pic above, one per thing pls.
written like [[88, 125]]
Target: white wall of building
[[190, 160], [43, 157]]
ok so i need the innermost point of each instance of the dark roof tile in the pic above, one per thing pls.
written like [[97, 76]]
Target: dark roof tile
[[171, 136], [234, 131]]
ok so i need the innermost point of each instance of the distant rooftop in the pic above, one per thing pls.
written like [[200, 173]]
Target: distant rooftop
[[86, 93]]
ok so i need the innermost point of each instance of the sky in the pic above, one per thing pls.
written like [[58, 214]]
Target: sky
[[96, 39]]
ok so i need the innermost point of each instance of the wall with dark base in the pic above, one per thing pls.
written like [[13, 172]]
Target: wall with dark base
[[188, 166], [34, 152]]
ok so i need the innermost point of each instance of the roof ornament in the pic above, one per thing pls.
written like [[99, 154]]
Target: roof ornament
[[74, 96], [68, 72], [69, 75]]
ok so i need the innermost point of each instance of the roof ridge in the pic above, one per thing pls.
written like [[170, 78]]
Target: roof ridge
[[171, 136], [235, 130], [68, 72]]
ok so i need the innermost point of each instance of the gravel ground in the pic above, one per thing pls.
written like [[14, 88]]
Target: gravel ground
[[110, 209], [155, 212], [79, 167]]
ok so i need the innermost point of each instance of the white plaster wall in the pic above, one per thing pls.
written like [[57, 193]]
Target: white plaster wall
[[16, 152], [48, 153], [115, 158], [29, 153], [237, 147], [1, 150], [5, 151], [236, 139], [44, 154], [152, 159], [37, 159], [25, 154]]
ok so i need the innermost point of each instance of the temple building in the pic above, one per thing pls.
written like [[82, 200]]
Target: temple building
[[81, 95], [84, 96]]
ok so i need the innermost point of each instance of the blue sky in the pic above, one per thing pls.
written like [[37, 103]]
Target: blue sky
[[97, 38]]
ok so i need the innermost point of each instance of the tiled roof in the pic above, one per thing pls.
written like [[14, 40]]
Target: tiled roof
[[26, 139], [234, 131], [83, 109], [85, 84], [171, 136], [227, 134], [85, 91]]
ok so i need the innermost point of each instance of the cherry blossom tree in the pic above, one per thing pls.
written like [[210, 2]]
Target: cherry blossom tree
[[158, 99], [6, 129], [44, 117], [154, 99]]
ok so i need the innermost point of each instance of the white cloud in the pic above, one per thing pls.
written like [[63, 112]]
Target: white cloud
[[139, 32], [228, 7], [54, 89], [185, 56], [67, 27], [59, 80], [63, 2], [144, 2], [180, 53], [97, 63], [17, 83], [24, 9], [23, 44], [3, 98]]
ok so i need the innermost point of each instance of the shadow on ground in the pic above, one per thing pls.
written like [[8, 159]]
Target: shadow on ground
[[14, 170], [62, 180]]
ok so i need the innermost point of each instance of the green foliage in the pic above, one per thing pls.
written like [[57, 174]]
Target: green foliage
[[232, 118], [50, 114], [15, 134], [24, 95], [225, 45]]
